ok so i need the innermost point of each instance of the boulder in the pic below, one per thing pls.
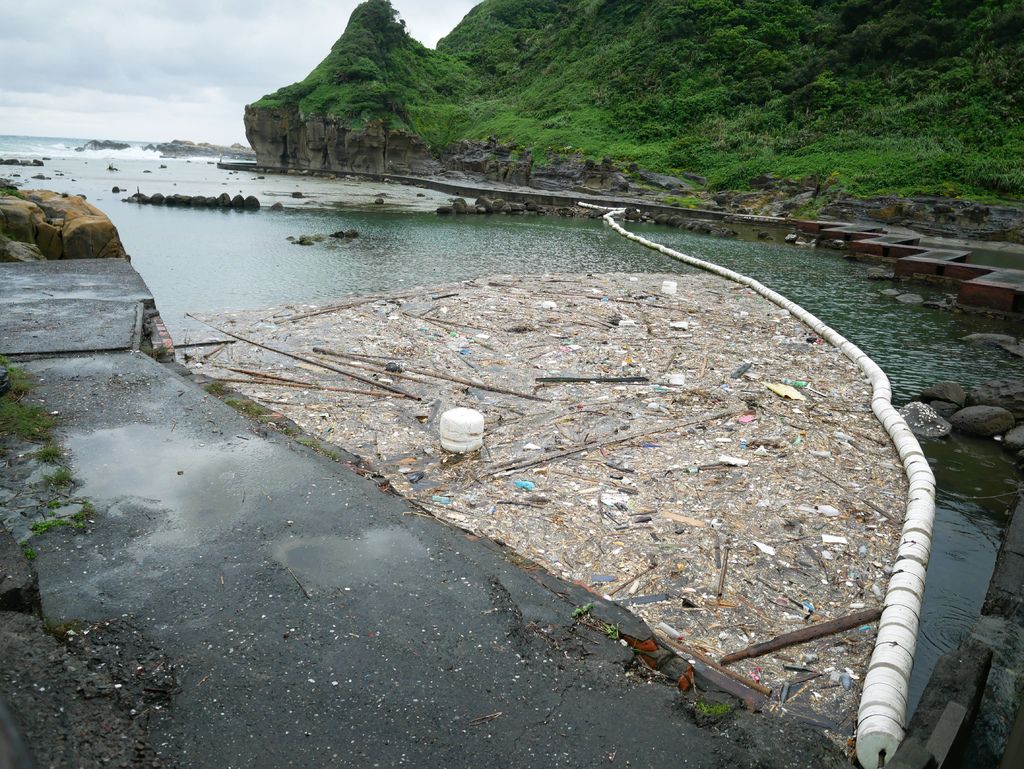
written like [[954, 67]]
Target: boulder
[[251, 203], [16, 251], [924, 422], [91, 238], [945, 409], [238, 202], [443, 210], [58, 227], [1014, 439], [157, 199], [944, 391], [1004, 393], [19, 218], [224, 200], [278, 206], [982, 421]]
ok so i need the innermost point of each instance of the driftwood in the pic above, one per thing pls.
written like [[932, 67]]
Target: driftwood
[[312, 362], [586, 379], [521, 465], [819, 630], [687, 652], [437, 375]]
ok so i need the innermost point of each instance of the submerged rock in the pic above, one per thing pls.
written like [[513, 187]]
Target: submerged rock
[[1005, 342], [1014, 439]]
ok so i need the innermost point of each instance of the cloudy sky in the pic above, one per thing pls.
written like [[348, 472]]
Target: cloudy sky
[[155, 70]]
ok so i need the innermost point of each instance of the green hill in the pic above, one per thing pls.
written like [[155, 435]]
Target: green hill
[[883, 96]]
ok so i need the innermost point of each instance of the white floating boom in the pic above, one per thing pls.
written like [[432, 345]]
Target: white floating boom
[[883, 705]]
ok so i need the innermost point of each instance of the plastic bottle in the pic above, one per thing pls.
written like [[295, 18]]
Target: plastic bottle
[[462, 430], [797, 383]]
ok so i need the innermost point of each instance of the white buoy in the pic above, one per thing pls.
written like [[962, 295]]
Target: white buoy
[[462, 430]]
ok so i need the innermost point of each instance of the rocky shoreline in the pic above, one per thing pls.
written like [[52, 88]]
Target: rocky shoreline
[[285, 140]]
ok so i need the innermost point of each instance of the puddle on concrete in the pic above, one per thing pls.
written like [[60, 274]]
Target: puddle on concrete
[[172, 471], [338, 562]]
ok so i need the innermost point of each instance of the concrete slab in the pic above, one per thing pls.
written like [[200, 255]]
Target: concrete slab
[[49, 326], [106, 279], [312, 621]]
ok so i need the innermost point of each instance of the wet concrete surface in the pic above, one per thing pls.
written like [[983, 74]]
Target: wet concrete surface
[[313, 621], [71, 306]]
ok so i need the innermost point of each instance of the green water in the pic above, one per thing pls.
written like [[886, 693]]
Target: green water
[[201, 260]]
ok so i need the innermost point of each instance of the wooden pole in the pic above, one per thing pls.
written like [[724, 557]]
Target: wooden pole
[[819, 630]]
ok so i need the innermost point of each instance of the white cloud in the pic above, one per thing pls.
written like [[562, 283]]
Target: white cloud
[[163, 69]]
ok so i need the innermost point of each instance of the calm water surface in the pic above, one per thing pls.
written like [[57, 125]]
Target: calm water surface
[[203, 261]]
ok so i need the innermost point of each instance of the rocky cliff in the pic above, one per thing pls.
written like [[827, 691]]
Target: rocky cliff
[[284, 138], [47, 225]]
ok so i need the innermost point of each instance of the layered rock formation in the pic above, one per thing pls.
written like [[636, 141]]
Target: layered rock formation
[[949, 217], [283, 138], [47, 225]]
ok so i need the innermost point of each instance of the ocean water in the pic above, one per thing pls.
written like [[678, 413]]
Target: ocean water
[[201, 260], [65, 147]]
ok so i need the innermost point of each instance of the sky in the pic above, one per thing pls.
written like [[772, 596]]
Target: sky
[[157, 70]]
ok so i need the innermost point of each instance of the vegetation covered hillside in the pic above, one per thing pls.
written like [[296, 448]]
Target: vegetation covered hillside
[[905, 96]]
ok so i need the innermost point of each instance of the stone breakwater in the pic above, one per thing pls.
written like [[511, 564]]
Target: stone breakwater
[[224, 200], [39, 224]]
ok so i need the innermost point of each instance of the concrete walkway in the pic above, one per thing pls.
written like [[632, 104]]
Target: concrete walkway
[[313, 620]]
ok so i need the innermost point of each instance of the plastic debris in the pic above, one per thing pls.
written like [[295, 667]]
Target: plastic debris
[[786, 391], [525, 485], [766, 549], [619, 486]]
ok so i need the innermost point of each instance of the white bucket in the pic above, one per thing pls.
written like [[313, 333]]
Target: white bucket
[[462, 430]]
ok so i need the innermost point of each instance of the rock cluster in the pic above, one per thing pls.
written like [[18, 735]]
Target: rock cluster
[[182, 148], [40, 224], [681, 222], [949, 217], [20, 162], [104, 144], [224, 200], [993, 409]]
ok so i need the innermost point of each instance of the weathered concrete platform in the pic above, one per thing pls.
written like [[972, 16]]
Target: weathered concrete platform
[[313, 621], [981, 287], [75, 306]]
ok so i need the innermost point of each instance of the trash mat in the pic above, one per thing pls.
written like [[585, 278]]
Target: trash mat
[[699, 456]]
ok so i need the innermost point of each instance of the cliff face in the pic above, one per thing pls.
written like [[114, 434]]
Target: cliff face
[[283, 138]]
